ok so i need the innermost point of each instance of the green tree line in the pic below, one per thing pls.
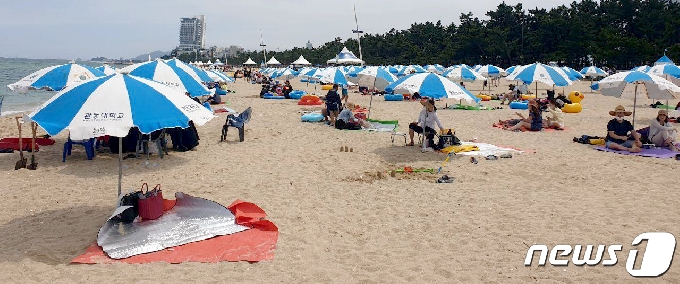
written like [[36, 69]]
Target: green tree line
[[618, 34]]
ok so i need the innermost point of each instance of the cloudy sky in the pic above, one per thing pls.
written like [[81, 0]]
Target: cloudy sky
[[70, 29]]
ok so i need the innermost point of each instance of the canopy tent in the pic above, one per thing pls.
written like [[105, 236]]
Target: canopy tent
[[273, 61], [249, 62], [345, 57], [301, 61]]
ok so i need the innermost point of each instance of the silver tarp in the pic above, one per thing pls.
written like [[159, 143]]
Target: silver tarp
[[192, 219]]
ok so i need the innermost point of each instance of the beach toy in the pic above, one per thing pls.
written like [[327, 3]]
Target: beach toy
[[220, 91], [520, 105], [310, 100], [484, 97], [271, 96], [575, 106], [296, 95], [312, 117], [395, 97], [575, 97], [326, 87], [528, 97]]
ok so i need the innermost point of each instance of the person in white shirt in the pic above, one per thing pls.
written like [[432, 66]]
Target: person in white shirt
[[661, 132], [557, 119], [426, 122]]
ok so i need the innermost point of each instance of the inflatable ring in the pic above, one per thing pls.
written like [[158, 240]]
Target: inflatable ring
[[270, 96], [326, 87], [520, 105], [484, 97], [296, 96], [528, 97], [310, 100], [572, 108], [312, 117], [394, 98]]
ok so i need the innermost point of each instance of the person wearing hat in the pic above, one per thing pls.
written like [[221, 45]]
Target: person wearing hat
[[618, 129], [557, 119], [535, 120], [511, 95], [426, 122], [661, 131]]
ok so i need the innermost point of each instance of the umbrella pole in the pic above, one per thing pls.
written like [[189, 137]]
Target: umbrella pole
[[120, 163], [634, 104], [370, 103]]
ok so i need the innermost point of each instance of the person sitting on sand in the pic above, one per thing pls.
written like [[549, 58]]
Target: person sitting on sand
[[617, 132], [347, 120], [661, 131], [511, 95], [534, 122], [215, 99], [426, 122], [557, 119]]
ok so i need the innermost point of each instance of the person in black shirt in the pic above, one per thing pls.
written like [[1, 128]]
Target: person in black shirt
[[287, 88], [617, 132], [333, 103]]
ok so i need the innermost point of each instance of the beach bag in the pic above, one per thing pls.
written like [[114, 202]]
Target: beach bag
[[150, 202], [129, 215]]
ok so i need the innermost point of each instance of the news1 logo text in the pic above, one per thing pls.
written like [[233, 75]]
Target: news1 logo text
[[655, 261]]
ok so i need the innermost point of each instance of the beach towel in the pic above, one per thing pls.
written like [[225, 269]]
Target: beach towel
[[662, 153], [460, 148], [255, 244], [484, 149], [464, 107], [382, 125]]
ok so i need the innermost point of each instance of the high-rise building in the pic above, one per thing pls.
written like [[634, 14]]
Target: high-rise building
[[309, 45], [192, 33]]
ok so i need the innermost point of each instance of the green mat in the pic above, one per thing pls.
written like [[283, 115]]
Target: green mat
[[464, 107]]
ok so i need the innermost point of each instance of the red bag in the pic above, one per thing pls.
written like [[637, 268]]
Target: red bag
[[151, 203]]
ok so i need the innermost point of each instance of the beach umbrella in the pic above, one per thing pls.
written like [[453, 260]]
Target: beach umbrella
[[193, 71], [56, 78], [664, 70], [285, 74], [489, 71], [217, 76], [593, 72], [376, 77], [333, 75], [464, 74], [433, 86], [113, 104], [106, 69], [643, 68], [573, 74], [632, 84], [174, 77], [539, 72]]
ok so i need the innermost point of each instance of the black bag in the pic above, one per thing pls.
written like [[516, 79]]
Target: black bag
[[129, 215]]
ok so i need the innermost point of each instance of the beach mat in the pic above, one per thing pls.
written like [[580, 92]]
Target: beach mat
[[15, 145], [382, 125], [40, 141], [485, 149], [661, 153], [253, 245]]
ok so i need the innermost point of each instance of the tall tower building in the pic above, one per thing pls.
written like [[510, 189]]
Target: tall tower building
[[192, 33]]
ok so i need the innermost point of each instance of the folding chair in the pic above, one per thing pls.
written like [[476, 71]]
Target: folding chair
[[395, 134]]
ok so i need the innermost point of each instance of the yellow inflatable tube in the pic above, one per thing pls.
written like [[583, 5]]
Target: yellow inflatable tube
[[572, 108], [528, 97]]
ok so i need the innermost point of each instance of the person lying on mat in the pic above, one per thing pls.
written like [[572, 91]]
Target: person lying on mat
[[426, 122], [534, 122], [617, 132], [661, 131], [557, 118], [347, 120]]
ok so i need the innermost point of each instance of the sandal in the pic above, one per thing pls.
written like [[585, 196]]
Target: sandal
[[409, 144]]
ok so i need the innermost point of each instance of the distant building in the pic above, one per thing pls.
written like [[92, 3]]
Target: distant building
[[192, 33], [309, 45]]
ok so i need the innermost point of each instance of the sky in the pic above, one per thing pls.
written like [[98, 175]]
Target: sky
[[71, 29]]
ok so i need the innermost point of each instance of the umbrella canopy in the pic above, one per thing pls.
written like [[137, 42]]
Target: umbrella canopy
[[623, 85], [663, 60], [433, 86], [573, 74], [665, 69], [333, 75], [193, 71], [218, 76], [106, 69], [249, 62], [593, 71], [113, 104], [285, 74], [538, 72], [490, 71], [377, 77], [463, 73], [643, 68], [56, 78], [174, 77]]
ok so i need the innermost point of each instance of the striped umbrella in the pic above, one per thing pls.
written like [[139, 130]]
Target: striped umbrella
[[174, 77], [593, 72], [217, 76], [433, 86], [665, 70], [106, 69], [463, 73], [113, 104], [195, 72], [56, 78]]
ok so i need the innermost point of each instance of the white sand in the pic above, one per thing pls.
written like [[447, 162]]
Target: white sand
[[338, 221]]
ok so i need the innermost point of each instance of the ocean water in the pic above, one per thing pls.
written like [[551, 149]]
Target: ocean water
[[12, 70]]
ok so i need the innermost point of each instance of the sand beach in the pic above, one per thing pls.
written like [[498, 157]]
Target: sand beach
[[341, 222]]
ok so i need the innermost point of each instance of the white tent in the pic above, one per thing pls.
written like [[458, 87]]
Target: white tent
[[273, 61], [249, 62], [345, 57], [301, 61]]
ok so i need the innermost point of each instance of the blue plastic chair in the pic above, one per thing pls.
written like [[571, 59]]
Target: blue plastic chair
[[87, 143]]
